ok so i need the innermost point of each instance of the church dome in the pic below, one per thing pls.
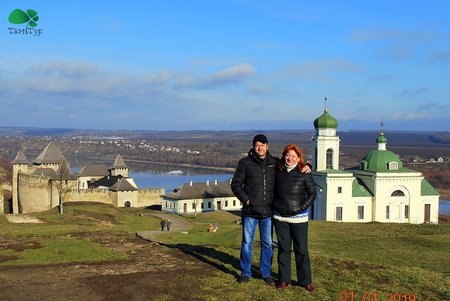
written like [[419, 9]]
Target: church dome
[[325, 121], [381, 160], [381, 139]]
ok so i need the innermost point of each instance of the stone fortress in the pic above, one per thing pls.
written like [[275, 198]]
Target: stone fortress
[[39, 185]]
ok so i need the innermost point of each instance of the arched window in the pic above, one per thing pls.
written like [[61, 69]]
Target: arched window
[[329, 159], [398, 193], [393, 165]]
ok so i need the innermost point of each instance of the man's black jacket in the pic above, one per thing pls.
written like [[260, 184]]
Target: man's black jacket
[[254, 181]]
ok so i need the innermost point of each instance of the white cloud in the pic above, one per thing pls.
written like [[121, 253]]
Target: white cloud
[[234, 75], [409, 116], [320, 70]]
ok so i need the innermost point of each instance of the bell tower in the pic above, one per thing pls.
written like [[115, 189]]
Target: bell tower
[[325, 143]]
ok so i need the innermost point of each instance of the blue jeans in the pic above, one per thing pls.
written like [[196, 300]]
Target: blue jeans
[[248, 233]]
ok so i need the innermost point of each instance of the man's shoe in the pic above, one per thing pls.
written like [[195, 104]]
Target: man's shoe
[[310, 288], [282, 285], [269, 281], [243, 279]]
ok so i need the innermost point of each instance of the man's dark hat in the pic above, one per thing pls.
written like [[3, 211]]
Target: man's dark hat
[[260, 138]]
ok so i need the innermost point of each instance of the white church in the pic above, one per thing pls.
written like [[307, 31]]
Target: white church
[[379, 190]]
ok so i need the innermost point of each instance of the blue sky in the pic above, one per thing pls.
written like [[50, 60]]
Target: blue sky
[[227, 65]]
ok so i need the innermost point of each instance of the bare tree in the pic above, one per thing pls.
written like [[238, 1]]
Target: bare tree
[[61, 182]]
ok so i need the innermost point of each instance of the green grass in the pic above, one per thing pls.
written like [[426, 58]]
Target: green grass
[[62, 250], [375, 258], [385, 260]]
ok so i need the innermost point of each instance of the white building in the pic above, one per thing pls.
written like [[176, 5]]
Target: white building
[[191, 198], [380, 190]]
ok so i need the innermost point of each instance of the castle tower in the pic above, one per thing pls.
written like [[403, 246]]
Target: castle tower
[[325, 143], [119, 167], [51, 157], [20, 164]]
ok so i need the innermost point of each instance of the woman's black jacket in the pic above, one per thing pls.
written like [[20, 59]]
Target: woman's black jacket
[[294, 191], [253, 180]]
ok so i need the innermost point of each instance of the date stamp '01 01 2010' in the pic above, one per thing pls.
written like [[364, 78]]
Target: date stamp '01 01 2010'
[[374, 296]]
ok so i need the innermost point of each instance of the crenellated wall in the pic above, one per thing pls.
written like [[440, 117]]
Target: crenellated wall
[[150, 197], [89, 195]]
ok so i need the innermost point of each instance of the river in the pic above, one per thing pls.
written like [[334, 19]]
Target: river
[[170, 181]]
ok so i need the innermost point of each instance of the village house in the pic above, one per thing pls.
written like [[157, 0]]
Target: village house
[[192, 198]]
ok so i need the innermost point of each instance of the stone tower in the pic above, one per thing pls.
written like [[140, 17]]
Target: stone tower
[[20, 164], [119, 167]]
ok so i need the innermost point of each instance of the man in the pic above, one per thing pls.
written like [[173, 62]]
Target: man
[[253, 184]]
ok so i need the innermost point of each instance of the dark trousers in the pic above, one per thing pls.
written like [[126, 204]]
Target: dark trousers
[[296, 234]]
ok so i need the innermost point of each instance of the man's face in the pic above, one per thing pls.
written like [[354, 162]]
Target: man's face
[[261, 149]]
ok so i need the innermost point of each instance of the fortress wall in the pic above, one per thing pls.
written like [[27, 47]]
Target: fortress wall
[[34, 193], [150, 197], [126, 199], [89, 195]]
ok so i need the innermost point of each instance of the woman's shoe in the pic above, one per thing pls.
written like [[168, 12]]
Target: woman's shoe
[[310, 288]]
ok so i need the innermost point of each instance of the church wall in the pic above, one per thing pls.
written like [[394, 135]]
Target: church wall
[[339, 194], [410, 185], [323, 144], [433, 200], [320, 204], [33, 193]]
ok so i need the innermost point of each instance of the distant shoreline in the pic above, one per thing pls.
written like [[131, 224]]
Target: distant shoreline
[[227, 169]]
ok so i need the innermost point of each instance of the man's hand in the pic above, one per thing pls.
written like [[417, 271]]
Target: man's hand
[[306, 169]]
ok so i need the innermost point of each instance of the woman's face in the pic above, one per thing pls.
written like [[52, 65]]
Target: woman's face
[[291, 158]]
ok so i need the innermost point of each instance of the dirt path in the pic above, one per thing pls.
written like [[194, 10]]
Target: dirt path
[[151, 271], [177, 225]]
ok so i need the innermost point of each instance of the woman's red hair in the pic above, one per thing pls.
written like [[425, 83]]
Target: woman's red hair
[[299, 153]]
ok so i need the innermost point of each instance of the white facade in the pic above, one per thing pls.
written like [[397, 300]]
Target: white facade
[[192, 206], [390, 194], [192, 198]]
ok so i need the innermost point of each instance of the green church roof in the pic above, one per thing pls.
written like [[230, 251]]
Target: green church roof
[[359, 189], [381, 161], [325, 121], [381, 138], [427, 189]]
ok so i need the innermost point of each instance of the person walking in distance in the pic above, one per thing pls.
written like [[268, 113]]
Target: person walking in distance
[[168, 224], [253, 184], [163, 224]]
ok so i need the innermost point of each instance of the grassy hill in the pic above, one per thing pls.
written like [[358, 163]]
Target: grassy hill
[[382, 261]]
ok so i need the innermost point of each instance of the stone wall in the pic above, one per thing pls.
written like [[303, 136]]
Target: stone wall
[[34, 193], [89, 195], [150, 197]]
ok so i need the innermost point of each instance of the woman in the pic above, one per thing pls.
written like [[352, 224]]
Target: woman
[[294, 194]]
